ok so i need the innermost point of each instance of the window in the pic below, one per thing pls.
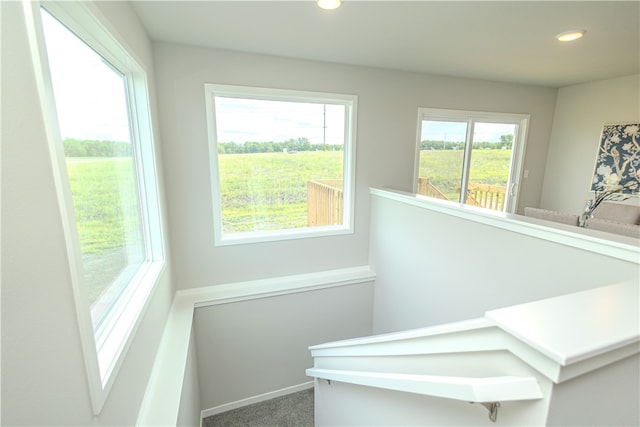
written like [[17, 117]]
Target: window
[[283, 163], [470, 157], [95, 102]]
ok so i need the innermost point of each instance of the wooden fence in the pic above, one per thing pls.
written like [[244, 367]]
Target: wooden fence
[[487, 196], [324, 198], [427, 189], [324, 202], [483, 195]]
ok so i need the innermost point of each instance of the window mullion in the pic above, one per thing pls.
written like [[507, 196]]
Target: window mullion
[[466, 165]]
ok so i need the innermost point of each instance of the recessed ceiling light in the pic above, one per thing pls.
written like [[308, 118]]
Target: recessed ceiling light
[[328, 4], [570, 35]]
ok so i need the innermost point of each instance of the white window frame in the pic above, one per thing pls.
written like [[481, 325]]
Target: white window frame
[[349, 101], [104, 349], [471, 117]]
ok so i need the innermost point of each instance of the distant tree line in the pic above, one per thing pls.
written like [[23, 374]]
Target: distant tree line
[[299, 144], [92, 148], [506, 142]]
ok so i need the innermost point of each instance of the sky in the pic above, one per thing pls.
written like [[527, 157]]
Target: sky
[[240, 120], [89, 94], [91, 104], [456, 131]]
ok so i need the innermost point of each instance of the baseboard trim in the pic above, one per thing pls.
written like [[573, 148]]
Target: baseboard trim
[[255, 399], [161, 403]]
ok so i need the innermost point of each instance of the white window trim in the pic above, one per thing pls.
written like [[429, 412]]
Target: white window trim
[[350, 101], [104, 351], [519, 143]]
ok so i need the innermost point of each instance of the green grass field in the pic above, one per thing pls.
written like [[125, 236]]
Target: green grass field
[[262, 191], [106, 210], [444, 168], [268, 191]]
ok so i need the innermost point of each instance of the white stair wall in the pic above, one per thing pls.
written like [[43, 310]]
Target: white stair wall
[[542, 361], [345, 404]]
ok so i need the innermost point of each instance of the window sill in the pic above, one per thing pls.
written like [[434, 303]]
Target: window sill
[[112, 347], [274, 236]]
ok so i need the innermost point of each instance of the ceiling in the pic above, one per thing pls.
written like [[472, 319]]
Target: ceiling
[[509, 41]]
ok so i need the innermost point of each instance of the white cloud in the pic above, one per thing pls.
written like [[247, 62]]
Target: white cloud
[[89, 94], [456, 131], [241, 120]]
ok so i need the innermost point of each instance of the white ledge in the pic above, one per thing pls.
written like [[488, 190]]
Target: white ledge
[[469, 389], [161, 401], [575, 327], [263, 288], [613, 245], [446, 328], [560, 337]]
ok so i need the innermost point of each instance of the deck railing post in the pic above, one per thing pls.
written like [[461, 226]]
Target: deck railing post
[[324, 202]]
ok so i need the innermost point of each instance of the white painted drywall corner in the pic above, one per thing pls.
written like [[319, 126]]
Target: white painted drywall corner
[[43, 376], [434, 266], [581, 111], [190, 408]]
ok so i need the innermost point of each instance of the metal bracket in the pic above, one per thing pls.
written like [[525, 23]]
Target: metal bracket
[[492, 407]]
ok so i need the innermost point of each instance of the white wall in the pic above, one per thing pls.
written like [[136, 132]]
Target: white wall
[[580, 113], [259, 346], [355, 405], [436, 268], [388, 103], [608, 396], [387, 118], [190, 408], [43, 373]]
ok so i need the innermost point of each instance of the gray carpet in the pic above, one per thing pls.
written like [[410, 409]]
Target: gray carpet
[[292, 410]]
